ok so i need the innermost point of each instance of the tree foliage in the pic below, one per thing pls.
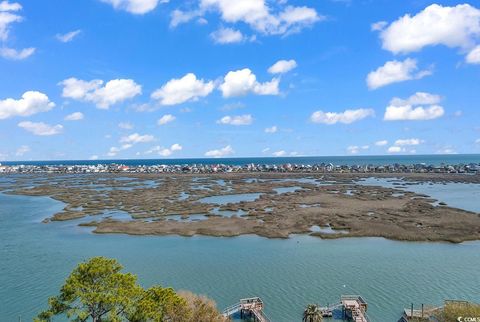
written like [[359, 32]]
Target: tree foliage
[[157, 304], [199, 308], [98, 291], [312, 313]]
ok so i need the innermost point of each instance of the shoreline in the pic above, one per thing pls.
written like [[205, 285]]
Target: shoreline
[[293, 237], [252, 167]]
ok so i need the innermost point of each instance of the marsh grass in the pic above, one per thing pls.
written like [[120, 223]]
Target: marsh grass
[[455, 309]]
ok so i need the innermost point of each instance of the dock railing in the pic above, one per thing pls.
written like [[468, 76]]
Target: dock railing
[[231, 310], [261, 316], [354, 298], [254, 305]]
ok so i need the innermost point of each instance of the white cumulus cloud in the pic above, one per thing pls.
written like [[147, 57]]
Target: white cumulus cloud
[[403, 142], [14, 54], [242, 82], [69, 36], [10, 6], [355, 149], [473, 56], [257, 14], [125, 125], [280, 153], [185, 89], [178, 17], [129, 141], [76, 116], [40, 128], [138, 7], [293, 19], [272, 129], [457, 26], [8, 15], [395, 71], [103, 95], [381, 143], [395, 149], [167, 118], [346, 117], [113, 151], [447, 150], [282, 66], [32, 102], [418, 107], [379, 25], [402, 145], [165, 152], [227, 36], [227, 150], [136, 138], [419, 98], [246, 119]]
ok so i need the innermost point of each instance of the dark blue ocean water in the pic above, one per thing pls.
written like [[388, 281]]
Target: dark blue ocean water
[[336, 160]]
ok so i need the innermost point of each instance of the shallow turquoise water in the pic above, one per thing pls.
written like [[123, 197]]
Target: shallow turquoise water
[[458, 195], [287, 274]]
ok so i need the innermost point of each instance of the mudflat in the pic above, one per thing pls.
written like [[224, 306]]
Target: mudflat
[[272, 205]]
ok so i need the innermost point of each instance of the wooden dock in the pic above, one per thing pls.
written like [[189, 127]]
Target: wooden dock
[[249, 307], [425, 312], [353, 307]]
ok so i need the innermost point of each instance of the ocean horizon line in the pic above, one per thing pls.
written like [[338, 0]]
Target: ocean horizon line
[[347, 159]]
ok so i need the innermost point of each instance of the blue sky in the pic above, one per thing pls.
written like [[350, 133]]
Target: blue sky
[[114, 79]]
